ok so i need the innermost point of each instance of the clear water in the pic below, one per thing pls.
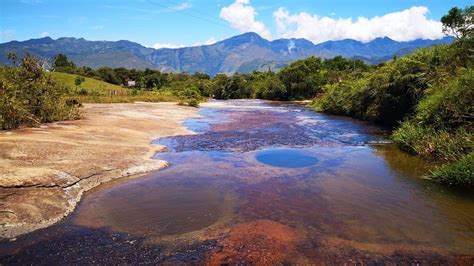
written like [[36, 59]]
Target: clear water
[[269, 183], [285, 157]]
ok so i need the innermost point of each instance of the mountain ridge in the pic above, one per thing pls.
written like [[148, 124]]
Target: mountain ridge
[[248, 52]]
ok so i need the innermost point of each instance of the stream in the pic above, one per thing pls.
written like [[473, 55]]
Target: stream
[[266, 183]]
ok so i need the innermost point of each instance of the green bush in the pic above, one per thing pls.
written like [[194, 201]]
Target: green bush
[[435, 144], [345, 98], [269, 88], [83, 92], [29, 96], [386, 95], [450, 105], [459, 173], [189, 96], [303, 78]]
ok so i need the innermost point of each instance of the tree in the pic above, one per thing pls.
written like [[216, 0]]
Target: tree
[[61, 61], [303, 78], [78, 80], [219, 84], [459, 22], [271, 88], [107, 74], [12, 57], [236, 88], [29, 96], [190, 96], [154, 81]]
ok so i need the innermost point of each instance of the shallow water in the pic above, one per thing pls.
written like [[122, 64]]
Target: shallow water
[[266, 183]]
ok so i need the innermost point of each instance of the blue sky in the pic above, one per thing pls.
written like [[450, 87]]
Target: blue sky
[[190, 22]]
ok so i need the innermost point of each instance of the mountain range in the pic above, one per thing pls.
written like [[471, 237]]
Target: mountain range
[[242, 53]]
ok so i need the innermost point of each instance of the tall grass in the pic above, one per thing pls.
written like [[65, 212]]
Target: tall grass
[[459, 173]]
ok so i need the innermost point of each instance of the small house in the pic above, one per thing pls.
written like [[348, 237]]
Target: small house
[[130, 83]]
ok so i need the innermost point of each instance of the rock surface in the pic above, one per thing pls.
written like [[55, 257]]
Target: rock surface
[[44, 171]]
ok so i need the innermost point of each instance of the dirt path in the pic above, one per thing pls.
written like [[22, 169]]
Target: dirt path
[[44, 171]]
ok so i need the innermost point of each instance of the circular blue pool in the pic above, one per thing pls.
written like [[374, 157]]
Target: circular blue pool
[[288, 158]]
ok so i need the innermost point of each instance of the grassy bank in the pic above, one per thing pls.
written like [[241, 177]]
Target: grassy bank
[[427, 97]]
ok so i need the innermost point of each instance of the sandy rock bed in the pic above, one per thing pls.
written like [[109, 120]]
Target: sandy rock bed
[[44, 171]]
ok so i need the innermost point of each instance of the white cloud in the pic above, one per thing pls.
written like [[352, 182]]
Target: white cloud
[[241, 16], [406, 25], [209, 41], [165, 45], [44, 34], [174, 46]]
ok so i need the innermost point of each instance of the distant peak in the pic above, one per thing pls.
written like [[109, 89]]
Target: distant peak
[[251, 34], [385, 39], [248, 36]]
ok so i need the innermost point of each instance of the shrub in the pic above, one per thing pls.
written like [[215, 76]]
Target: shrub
[[269, 88], [345, 98], [83, 92], [459, 173], [450, 105], [28, 96], [436, 144], [189, 96], [78, 80], [302, 78]]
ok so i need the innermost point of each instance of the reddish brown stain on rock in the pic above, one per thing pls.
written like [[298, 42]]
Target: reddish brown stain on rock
[[260, 242]]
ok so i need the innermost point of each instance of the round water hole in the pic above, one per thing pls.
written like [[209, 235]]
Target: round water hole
[[288, 158]]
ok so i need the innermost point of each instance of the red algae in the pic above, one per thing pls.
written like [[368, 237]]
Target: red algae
[[260, 242]]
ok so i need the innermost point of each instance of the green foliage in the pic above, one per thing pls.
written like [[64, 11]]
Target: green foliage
[[303, 78], [270, 88], [459, 22], [443, 123], [108, 75], [451, 105], [395, 89], [390, 92], [61, 62], [348, 97], [190, 96], [435, 144], [236, 88], [28, 96], [219, 84], [89, 85], [97, 91], [459, 173], [430, 90], [78, 80]]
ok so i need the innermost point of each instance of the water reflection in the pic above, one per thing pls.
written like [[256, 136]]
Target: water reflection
[[290, 158]]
